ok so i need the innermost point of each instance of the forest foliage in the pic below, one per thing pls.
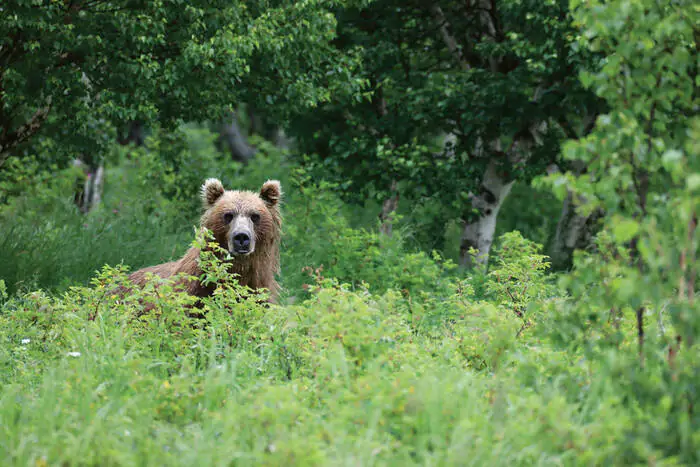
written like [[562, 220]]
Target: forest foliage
[[566, 133]]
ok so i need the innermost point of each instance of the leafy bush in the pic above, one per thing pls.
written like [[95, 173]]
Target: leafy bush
[[46, 242], [319, 241]]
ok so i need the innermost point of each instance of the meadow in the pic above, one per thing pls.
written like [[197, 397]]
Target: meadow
[[378, 353]]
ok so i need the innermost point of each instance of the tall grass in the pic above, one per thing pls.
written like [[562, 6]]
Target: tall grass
[[48, 243]]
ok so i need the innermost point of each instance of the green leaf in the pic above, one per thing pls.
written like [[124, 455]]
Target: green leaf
[[625, 229], [693, 182], [672, 156]]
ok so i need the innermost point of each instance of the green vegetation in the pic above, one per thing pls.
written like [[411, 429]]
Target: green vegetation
[[392, 342], [345, 375]]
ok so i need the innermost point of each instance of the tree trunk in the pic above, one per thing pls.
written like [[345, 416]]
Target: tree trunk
[[255, 121], [388, 208], [478, 234], [495, 187], [231, 135], [280, 138], [90, 196], [574, 231], [97, 184], [136, 134]]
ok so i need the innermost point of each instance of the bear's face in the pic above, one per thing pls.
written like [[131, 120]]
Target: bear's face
[[242, 221]]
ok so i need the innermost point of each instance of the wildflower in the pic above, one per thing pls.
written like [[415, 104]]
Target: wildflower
[[73, 354], [26, 341]]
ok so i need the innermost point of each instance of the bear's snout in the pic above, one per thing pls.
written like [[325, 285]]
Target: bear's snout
[[241, 243], [241, 240]]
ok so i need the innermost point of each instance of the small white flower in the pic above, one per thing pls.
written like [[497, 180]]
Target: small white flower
[[73, 354], [26, 341]]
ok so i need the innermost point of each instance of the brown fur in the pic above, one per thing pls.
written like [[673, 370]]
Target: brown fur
[[256, 270]]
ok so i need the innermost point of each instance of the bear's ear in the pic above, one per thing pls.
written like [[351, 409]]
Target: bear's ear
[[271, 192], [211, 191]]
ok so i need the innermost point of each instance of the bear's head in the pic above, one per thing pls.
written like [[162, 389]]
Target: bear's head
[[245, 223]]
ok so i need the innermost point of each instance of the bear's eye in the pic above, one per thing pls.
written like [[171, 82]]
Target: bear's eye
[[228, 217], [255, 217]]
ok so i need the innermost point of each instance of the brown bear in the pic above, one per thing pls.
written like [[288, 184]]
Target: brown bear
[[244, 223]]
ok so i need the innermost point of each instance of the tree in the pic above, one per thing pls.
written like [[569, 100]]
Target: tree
[[71, 71], [232, 137], [465, 99], [378, 146], [642, 163]]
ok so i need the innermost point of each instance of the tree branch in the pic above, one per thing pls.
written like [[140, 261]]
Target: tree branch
[[497, 27], [24, 132], [566, 126], [448, 38], [640, 177]]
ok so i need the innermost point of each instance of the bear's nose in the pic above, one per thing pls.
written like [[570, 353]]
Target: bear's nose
[[241, 242]]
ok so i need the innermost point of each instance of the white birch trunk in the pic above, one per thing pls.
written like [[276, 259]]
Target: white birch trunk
[[87, 194], [97, 184], [479, 233], [574, 230], [91, 195]]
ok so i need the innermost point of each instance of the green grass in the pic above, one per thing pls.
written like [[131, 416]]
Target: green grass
[[430, 375], [48, 243], [345, 378]]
